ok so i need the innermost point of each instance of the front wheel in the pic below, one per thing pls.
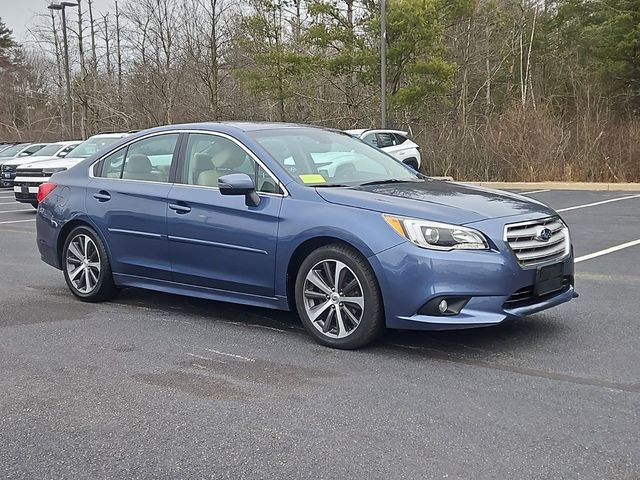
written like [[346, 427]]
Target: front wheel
[[86, 266], [338, 298]]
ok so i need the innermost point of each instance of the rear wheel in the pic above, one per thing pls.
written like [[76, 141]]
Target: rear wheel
[[338, 298], [86, 266]]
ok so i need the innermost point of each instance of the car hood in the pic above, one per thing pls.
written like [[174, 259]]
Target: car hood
[[33, 159], [54, 163], [436, 200]]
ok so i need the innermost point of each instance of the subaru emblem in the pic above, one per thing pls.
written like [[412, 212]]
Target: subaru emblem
[[543, 234]]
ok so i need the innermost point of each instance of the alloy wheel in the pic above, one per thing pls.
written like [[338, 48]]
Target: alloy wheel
[[333, 298], [83, 263]]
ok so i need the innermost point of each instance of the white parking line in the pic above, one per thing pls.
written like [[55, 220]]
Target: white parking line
[[23, 210], [18, 221], [597, 203], [534, 191], [608, 250]]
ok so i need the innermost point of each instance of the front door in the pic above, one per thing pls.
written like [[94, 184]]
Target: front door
[[127, 200], [218, 241]]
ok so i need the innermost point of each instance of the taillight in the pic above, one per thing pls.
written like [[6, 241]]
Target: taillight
[[45, 189]]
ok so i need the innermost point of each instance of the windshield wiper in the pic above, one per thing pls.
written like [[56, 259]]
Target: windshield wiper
[[325, 185], [384, 182]]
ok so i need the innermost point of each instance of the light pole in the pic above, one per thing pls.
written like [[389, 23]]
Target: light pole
[[67, 74], [383, 64]]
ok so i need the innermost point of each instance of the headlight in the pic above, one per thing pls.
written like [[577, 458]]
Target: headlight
[[437, 236], [51, 171]]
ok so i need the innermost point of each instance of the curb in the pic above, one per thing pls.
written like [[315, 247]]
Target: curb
[[621, 187]]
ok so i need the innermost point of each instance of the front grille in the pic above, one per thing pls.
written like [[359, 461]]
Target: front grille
[[29, 173], [7, 168], [529, 249], [525, 296]]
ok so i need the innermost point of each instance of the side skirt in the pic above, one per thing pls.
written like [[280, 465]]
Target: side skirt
[[124, 280]]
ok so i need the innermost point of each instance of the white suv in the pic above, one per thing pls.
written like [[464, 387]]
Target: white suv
[[29, 176], [49, 152], [394, 142]]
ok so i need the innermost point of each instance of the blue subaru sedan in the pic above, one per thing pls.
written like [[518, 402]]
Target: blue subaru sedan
[[297, 217]]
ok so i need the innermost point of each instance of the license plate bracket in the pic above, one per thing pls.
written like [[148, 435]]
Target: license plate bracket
[[548, 279], [24, 189]]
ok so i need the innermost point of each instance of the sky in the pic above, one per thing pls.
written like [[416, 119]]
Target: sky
[[19, 14]]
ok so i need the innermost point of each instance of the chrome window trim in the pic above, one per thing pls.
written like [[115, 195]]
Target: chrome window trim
[[196, 131]]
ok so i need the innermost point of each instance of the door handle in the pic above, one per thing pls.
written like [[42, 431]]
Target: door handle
[[102, 196], [179, 208]]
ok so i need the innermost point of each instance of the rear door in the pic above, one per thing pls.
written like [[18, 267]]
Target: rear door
[[127, 200], [217, 241]]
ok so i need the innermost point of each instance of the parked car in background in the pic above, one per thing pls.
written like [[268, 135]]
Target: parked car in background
[[4, 146], [29, 176], [395, 142], [49, 152], [248, 213], [20, 150]]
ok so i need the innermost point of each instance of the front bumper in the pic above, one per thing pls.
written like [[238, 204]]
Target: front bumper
[[410, 276], [6, 178], [26, 191]]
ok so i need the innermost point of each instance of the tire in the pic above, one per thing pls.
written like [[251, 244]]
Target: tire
[[34, 205], [412, 162], [334, 325], [100, 285]]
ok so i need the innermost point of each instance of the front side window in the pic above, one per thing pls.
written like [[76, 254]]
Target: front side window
[[148, 160], [209, 157], [66, 150], [321, 157]]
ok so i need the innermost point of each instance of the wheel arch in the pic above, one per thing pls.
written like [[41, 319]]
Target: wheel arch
[[69, 226], [302, 251]]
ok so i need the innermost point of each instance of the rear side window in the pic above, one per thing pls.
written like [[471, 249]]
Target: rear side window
[[386, 140], [148, 160], [112, 165], [400, 139]]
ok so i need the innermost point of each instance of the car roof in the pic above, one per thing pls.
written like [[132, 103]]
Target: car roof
[[229, 126], [361, 131], [110, 135]]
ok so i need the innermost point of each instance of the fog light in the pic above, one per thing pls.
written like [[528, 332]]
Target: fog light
[[443, 306]]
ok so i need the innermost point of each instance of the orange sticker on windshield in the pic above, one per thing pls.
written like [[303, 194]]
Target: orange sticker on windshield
[[312, 178]]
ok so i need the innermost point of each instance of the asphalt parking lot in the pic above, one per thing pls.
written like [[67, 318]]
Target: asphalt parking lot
[[159, 386]]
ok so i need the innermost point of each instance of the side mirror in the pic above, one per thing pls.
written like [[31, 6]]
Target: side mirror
[[239, 184], [62, 154]]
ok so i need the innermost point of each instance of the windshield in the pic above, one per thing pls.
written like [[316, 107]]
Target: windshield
[[325, 158], [91, 146], [12, 151], [49, 150]]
